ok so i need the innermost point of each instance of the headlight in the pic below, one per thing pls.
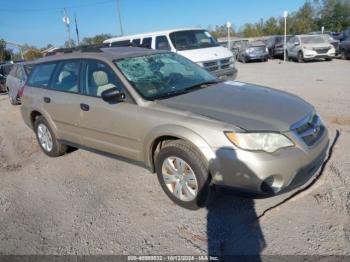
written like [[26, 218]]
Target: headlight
[[200, 64], [268, 142], [232, 59]]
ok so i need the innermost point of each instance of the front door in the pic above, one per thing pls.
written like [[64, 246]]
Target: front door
[[108, 127]]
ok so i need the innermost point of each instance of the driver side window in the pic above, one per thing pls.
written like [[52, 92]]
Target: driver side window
[[98, 77]]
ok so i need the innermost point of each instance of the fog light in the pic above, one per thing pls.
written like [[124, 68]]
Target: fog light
[[272, 184]]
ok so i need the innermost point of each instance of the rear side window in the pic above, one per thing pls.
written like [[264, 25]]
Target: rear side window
[[121, 43], [136, 42], [162, 43], [28, 68], [66, 78], [13, 71], [41, 75], [147, 42]]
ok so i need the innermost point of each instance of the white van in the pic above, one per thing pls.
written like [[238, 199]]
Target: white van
[[195, 44]]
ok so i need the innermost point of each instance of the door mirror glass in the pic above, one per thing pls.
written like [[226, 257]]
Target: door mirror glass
[[113, 95]]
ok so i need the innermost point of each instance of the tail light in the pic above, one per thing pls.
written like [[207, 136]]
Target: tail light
[[21, 90]]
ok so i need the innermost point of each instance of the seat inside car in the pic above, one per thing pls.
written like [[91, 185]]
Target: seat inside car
[[101, 80], [67, 81]]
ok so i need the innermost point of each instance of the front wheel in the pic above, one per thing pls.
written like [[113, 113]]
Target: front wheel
[[183, 175], [328, 59], [47, 139], [343, 54], [300, 57]]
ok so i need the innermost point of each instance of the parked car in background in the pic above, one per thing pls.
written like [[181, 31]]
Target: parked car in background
[[344, 48], [344, 35], [275, 46], [328, 36], [253, 51], [16, 80], [309, 47], [163, 111], [195, 44], [5, 69]]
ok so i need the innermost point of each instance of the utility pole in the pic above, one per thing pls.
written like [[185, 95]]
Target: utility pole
[[67, 22], [76, 28], [228, 25], [120, 18], [285, 14]]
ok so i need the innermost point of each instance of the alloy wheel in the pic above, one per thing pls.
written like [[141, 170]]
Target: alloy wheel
[[179, 178], [45, 137]]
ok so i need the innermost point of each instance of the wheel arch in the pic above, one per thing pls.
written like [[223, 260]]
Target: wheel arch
[[165, 133]]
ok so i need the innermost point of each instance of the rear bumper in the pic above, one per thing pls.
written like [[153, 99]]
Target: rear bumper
[[251, 57], [248, 171]]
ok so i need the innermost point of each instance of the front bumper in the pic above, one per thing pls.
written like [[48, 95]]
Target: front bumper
[[310, 54], [247, 170], [227, 74]]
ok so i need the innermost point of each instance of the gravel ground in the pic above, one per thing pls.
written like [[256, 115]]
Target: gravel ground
[[83, 203]]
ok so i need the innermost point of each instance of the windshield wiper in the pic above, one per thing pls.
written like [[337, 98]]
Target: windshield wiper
[[186, 90]]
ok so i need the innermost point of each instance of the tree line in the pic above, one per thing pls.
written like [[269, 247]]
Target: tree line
[[333, 15]]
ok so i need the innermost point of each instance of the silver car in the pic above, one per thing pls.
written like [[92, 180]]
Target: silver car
[[162, 111], [16, 80]]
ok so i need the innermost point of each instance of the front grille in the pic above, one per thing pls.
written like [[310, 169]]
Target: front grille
[[216, 65], [321, 50], [309, 129]]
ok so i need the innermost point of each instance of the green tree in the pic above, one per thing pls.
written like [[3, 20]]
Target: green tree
[[32, 54], [95, 40]]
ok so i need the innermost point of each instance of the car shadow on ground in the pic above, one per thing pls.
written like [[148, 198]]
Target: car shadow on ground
[[233, 229]]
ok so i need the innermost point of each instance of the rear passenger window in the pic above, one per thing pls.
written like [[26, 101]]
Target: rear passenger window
[[41, 74], [147, 42], [121, 43], [162, 43], [135, 42], [98, 77], [66, 78]]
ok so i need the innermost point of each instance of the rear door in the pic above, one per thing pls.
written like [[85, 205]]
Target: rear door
[[60, 96], [104, 126]]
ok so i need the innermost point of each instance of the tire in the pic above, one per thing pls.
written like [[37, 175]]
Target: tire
[[12, 101], [328, 59], [300, 57], [56, 149], [243, 60], [171, 156], [343, 54]]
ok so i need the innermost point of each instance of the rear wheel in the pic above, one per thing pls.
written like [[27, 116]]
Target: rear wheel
[[300, 57], [328, 59], [183, 175], [47, 139]]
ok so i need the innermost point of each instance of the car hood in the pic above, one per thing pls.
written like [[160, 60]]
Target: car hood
[[206, 54], [246, 106], [317, 45]]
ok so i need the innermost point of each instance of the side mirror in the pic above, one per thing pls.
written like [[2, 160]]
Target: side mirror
[[113, 95]]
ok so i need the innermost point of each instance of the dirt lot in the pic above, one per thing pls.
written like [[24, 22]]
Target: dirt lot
[[84, 203]]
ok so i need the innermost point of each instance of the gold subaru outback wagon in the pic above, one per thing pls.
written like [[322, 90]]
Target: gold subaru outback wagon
[[162, 111]]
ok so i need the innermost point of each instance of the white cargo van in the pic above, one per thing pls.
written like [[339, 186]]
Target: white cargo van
[[195, 44]]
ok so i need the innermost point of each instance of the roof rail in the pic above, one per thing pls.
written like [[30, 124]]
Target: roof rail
[[86, 48]]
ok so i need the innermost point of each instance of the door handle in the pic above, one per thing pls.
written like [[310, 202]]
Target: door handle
[[47, 99], [84, 107]]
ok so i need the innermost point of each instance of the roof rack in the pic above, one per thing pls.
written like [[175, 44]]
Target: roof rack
[[87, 48]]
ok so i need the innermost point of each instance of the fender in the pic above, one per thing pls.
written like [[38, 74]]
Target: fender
[[177, 131]]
